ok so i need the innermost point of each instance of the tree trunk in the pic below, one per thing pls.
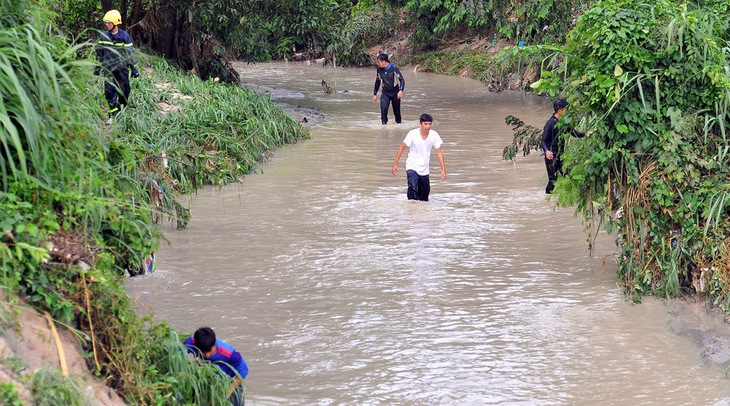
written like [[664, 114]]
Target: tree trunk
[[106, 5]]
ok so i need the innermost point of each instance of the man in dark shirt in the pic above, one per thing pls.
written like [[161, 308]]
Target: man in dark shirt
[[553, 143], [387, 74]]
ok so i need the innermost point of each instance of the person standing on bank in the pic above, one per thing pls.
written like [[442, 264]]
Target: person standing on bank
[[553, 143], [387, 74], [116, 56], [420, 141], [204, 344]]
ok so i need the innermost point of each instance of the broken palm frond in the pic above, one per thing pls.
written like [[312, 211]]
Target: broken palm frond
[[526, 138]]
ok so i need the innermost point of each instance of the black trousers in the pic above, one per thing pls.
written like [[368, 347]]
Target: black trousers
[[116, 90], [553, 167], [385, 101], [418, 186]]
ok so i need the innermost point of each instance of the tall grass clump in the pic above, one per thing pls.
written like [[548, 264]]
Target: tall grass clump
[[51, 388], [192, 380], [193, 133]]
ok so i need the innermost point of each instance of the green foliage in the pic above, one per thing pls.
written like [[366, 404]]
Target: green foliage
[[538, 20], [191, 380], [653, 83], [532, 20], [9, 395], [444, 16], [300, 25], [76, 16], [75, 195], [526, 138], [496, 70], [50, 388], [54, 155], [366, 25]]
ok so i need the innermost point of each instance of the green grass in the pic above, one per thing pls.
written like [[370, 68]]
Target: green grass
[[71, 182]]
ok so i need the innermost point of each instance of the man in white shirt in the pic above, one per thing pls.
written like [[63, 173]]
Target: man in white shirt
[[420, 141]]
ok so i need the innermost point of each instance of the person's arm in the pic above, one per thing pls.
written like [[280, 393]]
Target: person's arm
[[131, 60], [239, 365], [377, 86], [440, 155], [401, 83], [579, 134], [397, 158], [237, 381]]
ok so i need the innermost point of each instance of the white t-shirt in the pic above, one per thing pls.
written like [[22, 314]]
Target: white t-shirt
[[419, 154]]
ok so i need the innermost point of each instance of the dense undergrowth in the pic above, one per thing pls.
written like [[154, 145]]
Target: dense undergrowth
[[650, 80], [79, 198]]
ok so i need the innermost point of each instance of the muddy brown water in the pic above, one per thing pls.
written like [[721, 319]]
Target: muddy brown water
[[337, 290]]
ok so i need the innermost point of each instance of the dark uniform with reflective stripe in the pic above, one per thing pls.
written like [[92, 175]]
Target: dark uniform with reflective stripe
[[116, 54], [388, 76]]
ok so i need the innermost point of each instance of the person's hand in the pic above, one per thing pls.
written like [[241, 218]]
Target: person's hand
[[375, 98], [395, 169], [549, 155], [443, 174], [135, 72], [97, 71], [400, 94]]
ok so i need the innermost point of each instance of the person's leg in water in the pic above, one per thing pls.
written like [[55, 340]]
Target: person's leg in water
[[396, 108], [412, 184], [424, 188], [553, 166], [385, 99]]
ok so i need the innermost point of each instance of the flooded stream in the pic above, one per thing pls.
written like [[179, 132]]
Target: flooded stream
[[337, 290]]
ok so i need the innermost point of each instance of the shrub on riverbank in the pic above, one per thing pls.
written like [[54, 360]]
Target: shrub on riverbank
[[499, 65], [653, 84], [78, 198]]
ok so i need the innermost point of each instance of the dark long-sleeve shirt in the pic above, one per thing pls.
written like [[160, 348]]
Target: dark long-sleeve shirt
[[552, 139], [387, 77]]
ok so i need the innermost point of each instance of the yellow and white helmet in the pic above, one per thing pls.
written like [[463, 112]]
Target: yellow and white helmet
[[113, 16]]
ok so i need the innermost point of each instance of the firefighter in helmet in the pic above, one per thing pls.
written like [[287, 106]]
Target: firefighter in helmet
[[116, 57]]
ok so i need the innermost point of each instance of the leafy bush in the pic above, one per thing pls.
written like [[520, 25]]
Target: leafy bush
[[532, 20], [653, 82], [50, 388], [368, 24]]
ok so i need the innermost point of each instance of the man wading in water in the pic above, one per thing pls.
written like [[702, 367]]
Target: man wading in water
[[420, 141], [387, 73]]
